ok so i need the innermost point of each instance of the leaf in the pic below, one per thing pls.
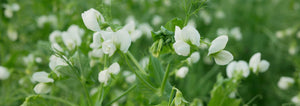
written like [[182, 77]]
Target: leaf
[[170, 25], [221, 91]]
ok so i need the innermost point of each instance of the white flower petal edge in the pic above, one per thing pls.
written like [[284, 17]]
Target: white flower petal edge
[[41, 77], [218, 44], [181, 73], [4, 74], [123, 40], [181, 48], [103, 76], [263, 66], [42, 88], [187, 34], [114, 68], [254, 62], [285, 82], [194, 58], [96, 40], [230, 69], [223, 57], [90, 19], [108, 47]]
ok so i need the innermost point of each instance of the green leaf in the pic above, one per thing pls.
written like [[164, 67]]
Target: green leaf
[[174, 22], [221, 91]]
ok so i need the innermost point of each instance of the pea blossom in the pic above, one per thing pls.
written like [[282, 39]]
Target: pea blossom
[[182, 72], [285, 82], [104, 75], [194, 58], [258, 65], [4, 73], [183, 38], [42, 88], [237, 68], [92, 19], [41, 77], [222, 57]]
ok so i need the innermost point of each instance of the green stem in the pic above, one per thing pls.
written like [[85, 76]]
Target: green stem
[[171, 97], [86, 93], [99, 96], [58, 99], [136, 63], [126, 92], [257, 96], [163, 84], [139, 76]]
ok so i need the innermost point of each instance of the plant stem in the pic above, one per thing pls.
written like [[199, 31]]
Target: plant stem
[[139, 76], [171, 97], [126, 92], [86, 93], [163, 84], [99, 94], [136, 63]]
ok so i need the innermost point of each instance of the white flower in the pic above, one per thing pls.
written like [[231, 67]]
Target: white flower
[[144, 62], [114, 68], [119, 39], [103, 76], [12, 34], [256, 64], [129, 77], [296, 100], [42, 20], [279, 34], [28, 59], [96, 40], [236, 33], [292, 50], [220, 14], [188, 34], [206, 17], [4, 74], [41, 77], [92, 18], [108, 47], [42, 88], [134, 33], [192, 23], [9, 9], [181, 73], [38, 60], [222, 57], [237, 68], [285, 82], [182, 48], [72, 37], [53, 36], [157, 20], [146, 29], [55, 46], [56, 61], [98, 53], [194, 58], [222, 31]]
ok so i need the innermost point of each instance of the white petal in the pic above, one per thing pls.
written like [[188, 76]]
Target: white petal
[[254, 62], [42, 88], [114, 68], [68, 40], [178, 34], [181, 73], [243, 66], [285, 82], [103, 76], [181, 48], [96, 53], [54, 35], [4, 74], [263, 66], [192, 35], [230, 69], [96, 40], [90, 19], [195, 57], [41, 77], [122, 39], [108, 47], [223, 57], [218, 44]]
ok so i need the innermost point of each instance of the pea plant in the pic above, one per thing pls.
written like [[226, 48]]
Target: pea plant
[[102, 61]]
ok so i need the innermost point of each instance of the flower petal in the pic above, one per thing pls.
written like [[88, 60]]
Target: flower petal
[[181, 48], [218, 44], [223, 57], [263, 66], [254, 62]]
